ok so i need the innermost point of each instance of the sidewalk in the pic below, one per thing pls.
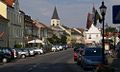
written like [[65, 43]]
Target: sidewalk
[[114, 63]]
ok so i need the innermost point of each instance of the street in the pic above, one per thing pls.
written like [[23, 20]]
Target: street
[[51, 62]]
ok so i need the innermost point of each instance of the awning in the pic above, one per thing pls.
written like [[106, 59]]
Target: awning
[[36, 41]]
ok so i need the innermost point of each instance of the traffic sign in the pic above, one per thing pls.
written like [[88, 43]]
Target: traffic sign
[[116, 14]]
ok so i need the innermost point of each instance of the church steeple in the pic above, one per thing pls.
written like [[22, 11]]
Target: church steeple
[[55, 14], [55, 20], [16, 5]]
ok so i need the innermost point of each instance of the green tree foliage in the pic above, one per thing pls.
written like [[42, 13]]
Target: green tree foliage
[[17, 46], [55, 40], [63, 39], [111, 29]]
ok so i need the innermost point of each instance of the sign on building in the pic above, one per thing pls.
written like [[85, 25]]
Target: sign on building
[[116, 14]]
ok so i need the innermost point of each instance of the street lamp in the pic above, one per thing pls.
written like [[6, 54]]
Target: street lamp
[[103, 12]]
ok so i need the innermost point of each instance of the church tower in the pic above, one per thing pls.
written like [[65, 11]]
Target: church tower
[[55, 20], [16, 5]]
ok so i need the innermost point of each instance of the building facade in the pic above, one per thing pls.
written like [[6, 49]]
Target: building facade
[[10, 10], [3, 32], [55, 20], [92, 35], [16, 24]]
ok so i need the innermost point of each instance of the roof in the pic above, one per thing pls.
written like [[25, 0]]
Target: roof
[[39, 24], [1, 17], [93, 29], [8, 2], [55, 14]]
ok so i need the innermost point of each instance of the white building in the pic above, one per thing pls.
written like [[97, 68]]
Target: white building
[[55, 20], [93, 35]]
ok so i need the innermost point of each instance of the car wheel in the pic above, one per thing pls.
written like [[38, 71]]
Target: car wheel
[[39, 53], [4, 60], [23, 56]]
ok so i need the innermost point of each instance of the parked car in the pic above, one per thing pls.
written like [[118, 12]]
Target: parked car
[[91, 57], [31, 51], [57, 47], [77, 51], [60, 47], [4, 57], [7, 54], [53, 49], [75, 54], [38, 50], [22, 53], [65, 47]]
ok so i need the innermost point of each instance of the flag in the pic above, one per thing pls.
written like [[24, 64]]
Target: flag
[[93, 12], [97, 17], [89, 20]]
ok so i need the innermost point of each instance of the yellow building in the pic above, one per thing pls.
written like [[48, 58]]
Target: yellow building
[[3, 9]]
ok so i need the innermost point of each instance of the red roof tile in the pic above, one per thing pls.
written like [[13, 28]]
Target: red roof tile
[[9, 2]]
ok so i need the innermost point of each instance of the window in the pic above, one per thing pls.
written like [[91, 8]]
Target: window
[[97, 35], [53, 21], [53, 24], [58, 22], [89, 36]]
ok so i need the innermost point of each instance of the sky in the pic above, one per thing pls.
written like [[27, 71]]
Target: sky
[[72, 13]]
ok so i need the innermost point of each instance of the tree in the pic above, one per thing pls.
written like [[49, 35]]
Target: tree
[[50, 40], [111, 29], [54, 40], [63, 39]]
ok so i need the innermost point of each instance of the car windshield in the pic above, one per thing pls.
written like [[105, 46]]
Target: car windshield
[[93, 52]]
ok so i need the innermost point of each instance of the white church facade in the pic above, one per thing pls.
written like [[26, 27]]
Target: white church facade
[[93, 34]]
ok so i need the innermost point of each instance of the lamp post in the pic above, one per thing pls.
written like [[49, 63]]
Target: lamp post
[[103, 12]]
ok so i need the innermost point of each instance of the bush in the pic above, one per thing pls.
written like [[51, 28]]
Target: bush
[[17, 46]]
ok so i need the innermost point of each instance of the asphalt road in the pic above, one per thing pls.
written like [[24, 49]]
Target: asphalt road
[[51, 62]]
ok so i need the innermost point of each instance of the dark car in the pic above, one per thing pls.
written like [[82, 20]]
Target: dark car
[[6, 54], [4, 57], [91, 57]]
